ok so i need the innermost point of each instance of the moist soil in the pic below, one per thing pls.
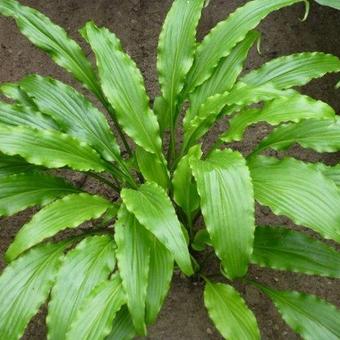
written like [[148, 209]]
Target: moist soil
[[138, 23]]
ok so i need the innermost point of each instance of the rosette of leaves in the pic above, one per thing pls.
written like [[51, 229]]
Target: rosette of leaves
[[111, 281]]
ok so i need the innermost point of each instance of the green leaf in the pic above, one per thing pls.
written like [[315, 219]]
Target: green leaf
[[285, 109], [321, 136], [225, 35], [331, 172], [73, 112], [229, 312], [83, 268], [331, 3], [15, 93], [293, 70], [160, 274], [297, 190], [68, 212], [18, 192], [227, 204], [97, 312], [224, 76], [122, 328], [284, 249], [201, 240], [176, 48], [211, 109], [152, 168], [133, 255], [307, 315], [52, 39], [25, 285], [153, 209], [123, 86], [11, 114], [49, 148], [184, 185], [13, 165]]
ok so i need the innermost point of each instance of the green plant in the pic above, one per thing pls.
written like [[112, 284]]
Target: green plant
[[110, 280]]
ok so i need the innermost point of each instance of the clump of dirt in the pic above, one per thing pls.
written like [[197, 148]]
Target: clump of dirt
[[138, 23]]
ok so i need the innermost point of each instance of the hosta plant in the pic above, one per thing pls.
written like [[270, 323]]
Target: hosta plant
[[110, 280]]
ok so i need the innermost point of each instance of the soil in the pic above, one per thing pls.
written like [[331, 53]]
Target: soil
[[137, 23]]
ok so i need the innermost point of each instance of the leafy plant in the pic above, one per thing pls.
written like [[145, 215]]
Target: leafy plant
[[110, 281]]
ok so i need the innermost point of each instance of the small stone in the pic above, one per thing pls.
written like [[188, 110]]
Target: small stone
[[276, 279], [209, 331]]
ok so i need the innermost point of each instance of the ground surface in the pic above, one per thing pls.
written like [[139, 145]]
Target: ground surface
[[137, 23]]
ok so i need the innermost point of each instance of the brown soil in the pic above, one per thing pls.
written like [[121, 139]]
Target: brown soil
[[137, 23]]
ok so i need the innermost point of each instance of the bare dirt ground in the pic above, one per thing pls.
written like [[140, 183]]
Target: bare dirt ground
[[137, 23]]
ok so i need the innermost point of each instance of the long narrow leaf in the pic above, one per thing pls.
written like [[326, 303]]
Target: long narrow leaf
[[25, 285], [224, 76], [299, 191], [14, 165], [153, 209], [18, 192], [225, 35], [176, 47], [307, 315], [331, 3], [68, 212], [16, 115], [227, 203], [133, 254], [286, 109], [321, 136], [293, 70], [284, 249], [331, 172], [49, 148], [229, 312], [89, 264], [52, 39], [73, 112], [122, 328], [96, 314], [123, 86]]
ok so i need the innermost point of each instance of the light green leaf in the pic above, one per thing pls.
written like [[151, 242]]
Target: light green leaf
[[84, 267], [52, 39], [201, 240], [331, 172], [229, 312], [331, 3], [160, 274], [307, 315], [25, 285], [49, 148], [153, 209], [15, 93], [284, 249], [293, 70], [224, 75], [122, 328], [133, 255], [152, 168], [176, 48], [184, 185], [11, 114], [123, 86], [73, 112], [97, 312], [68, 212], [285, 109], [18, 192], [211, 109], [13, 165], [226, 34], [297, 190], [227, 204], [321, 136]]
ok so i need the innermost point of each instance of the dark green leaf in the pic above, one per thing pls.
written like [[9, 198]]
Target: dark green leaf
[[122, 328], [13, 165]]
